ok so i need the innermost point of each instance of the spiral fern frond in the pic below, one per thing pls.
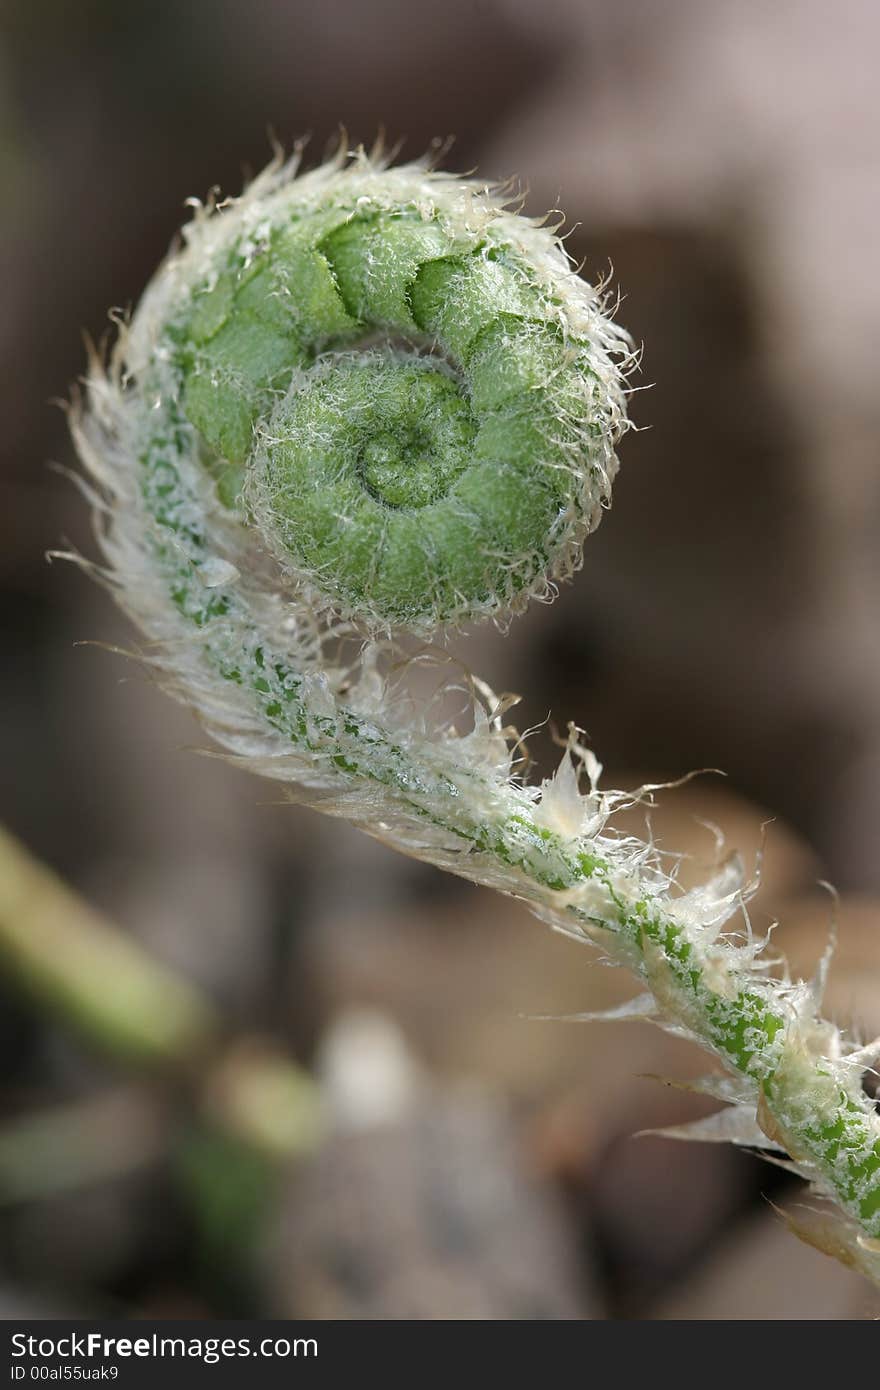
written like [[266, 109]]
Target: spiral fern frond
[[365, 401]]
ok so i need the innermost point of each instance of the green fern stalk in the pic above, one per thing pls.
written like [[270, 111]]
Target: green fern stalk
[[370, 399]]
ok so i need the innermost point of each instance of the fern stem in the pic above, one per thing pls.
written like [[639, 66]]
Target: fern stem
[[370, 399]]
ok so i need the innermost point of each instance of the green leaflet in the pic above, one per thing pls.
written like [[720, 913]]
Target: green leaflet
[[413, 485]]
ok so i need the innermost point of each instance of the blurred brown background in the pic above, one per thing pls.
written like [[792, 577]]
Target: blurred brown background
[[722, 159]]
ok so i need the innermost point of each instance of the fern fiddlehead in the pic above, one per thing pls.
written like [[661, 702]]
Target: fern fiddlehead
[[368, 399]]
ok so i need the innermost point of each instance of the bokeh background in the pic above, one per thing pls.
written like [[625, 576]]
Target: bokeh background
[[361, 1113]]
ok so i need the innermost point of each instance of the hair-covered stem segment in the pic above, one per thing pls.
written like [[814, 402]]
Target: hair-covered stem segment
[[433, 802], [372, 397]]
